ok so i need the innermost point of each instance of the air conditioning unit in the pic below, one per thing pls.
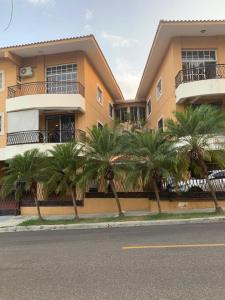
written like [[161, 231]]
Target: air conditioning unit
[[26, 72]]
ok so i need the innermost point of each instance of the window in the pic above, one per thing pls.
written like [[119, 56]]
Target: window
[[2, 83], [1, 123], [159, 89], [117, 114], [60, 128], [61, 79], [198, 64], [121, 114], [142, 113], [110, 110], [160, 123], [99, 125], [99, 95], [137, 113], [149, 107], [134, 114], [219, 175]]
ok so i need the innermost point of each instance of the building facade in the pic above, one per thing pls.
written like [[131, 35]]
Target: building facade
[[51, 92], [186, 66]]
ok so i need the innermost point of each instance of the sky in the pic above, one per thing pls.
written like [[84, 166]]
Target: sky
[[124, 29]]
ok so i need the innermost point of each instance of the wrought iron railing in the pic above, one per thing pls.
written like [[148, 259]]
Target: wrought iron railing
[[46, 87], [212, 71], [45, 136]]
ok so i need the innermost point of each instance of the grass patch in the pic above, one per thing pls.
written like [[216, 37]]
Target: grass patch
[[153, 217]]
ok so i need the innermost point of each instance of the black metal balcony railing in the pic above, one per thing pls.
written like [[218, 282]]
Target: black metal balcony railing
[[46, 87], [212, 71], [45, 136]]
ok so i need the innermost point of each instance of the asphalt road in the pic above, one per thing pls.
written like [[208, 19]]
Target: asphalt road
[[93, 264]]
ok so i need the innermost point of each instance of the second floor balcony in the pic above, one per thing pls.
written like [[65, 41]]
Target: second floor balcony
[[45, 87], [45, 136], [206, 81], [46, 95]]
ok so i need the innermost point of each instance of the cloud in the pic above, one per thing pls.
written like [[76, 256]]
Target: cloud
[[36, 2], [88, 15], [118, 41], [128, 77]]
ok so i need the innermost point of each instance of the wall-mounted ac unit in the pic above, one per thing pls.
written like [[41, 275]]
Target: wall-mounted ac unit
[[26, 72]]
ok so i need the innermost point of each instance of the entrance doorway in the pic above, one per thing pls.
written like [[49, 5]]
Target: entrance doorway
[[60, 128]]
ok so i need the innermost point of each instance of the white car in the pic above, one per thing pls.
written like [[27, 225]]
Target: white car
[[216, 177]]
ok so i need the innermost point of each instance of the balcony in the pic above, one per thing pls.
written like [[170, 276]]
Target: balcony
[[45, 136], [45, 95], [200, 84]]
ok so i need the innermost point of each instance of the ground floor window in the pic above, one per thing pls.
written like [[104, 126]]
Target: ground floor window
[[99, 125], [110, 110], [160, 123]]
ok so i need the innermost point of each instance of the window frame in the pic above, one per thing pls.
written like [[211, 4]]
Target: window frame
[[148, 113], [97, 95], [54, 87], [111, 106], [161, 118], [194, 66], [99, 123], [3, 81], [158, 96]]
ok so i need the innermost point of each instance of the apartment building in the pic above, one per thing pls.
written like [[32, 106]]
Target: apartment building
[[51, 92], [186, 66]]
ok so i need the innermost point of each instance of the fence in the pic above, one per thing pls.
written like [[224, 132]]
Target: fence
[[9, 204], [190, 189]]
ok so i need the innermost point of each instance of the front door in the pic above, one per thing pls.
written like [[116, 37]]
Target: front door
[[60, 128], [53, 129], [67, 128]]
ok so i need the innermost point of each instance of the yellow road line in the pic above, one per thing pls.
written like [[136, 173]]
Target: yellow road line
[[172, 246]]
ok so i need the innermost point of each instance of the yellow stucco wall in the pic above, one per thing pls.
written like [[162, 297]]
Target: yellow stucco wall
[[9, 70], [108, 205], [94, 110], [183, 205], [93, 206], [168, 69], [162, 107]]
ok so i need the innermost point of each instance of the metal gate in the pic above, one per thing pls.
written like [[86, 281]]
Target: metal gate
[[9, 206]]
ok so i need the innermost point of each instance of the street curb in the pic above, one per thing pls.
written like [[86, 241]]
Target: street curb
[[108, 225]]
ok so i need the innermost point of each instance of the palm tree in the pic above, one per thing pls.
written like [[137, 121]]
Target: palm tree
[[64, 170], [153, 159], [22, 174], [104, 158], [194, 131]]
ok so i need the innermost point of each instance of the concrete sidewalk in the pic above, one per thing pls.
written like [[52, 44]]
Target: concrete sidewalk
[[11, 224], [8, 221]]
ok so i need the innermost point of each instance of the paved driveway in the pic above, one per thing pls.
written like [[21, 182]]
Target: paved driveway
[[6, 221]]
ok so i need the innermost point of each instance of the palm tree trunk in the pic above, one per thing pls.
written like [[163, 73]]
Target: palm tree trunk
[[74, 204], [157, 196], [218, 209], [34, 191], [38, 208], [111, 182]]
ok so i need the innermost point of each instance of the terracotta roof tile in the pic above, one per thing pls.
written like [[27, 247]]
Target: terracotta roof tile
[[49, 41]]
